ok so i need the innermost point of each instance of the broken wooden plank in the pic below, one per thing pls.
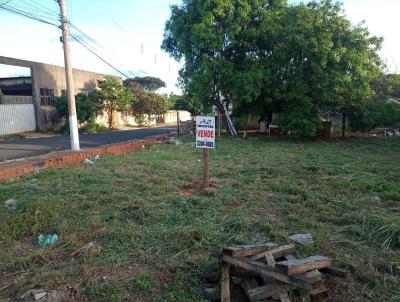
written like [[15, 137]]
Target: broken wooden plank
[[247, 250], [291, 257], [262, 269], [277, 252], [269, 258], [268, 291], [299, 266], [225, 283], [319, 294], [284, 297], [215, 277], [336, 272], [248, 285], [310, 277]]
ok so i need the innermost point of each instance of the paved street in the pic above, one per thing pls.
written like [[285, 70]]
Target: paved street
[[16, 149]]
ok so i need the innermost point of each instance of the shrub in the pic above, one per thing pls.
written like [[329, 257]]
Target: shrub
[[86, 108], [300, 121], [375, 113]]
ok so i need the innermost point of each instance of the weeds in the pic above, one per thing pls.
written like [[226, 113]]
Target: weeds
[[156, 242]]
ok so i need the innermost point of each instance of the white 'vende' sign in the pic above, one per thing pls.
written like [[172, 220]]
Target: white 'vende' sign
[[205, 132]]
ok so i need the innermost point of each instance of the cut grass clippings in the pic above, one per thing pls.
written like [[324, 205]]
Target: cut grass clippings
[[158, 232]]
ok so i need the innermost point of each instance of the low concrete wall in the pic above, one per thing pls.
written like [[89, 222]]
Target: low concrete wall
[[172, 116], [123, 119]]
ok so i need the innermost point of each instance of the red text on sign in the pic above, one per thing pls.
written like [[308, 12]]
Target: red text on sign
[[205, 133]]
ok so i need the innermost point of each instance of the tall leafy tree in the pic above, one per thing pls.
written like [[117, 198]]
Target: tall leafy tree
[[310, 60], [147, 83], [146, 104], [112, 97], [204, 34], [387, 85], [268, 56], [179, 102]]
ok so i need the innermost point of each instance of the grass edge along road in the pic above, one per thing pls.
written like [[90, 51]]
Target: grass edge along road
[[158, 231]]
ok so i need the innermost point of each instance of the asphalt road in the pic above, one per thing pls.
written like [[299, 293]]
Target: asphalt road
[[21, 148]]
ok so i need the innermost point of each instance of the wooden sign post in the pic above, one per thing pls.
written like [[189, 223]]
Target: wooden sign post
[[205, 139], [206, 174]]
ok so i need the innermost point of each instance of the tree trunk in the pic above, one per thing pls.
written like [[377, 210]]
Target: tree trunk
[[110, 118], [343, 124]]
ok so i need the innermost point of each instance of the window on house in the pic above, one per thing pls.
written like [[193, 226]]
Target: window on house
[[63, 92], [47, 97]]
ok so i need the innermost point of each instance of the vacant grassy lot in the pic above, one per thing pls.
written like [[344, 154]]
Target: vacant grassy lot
[[156, 240]]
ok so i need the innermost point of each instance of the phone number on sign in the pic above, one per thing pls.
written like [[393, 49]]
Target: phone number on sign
[[205, 144]]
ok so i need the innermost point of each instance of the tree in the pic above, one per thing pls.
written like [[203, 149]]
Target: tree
[[146, 104], [1, 97], [387, 85], [147, 83], [178, 102], [112, 97], [378, 112], [311, 56], [204, 34], [266, 56]]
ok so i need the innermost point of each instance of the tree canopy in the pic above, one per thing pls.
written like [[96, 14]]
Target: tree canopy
[[145, 104], [387, 85], [267, 56], [86, 108], [179, 102], [147, 83], [112, 97]]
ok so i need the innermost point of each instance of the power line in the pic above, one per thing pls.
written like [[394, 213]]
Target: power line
[[5, 3], [90, 50], [32, 16], [27, 15]]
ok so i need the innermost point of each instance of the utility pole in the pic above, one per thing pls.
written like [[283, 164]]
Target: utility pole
[[73, 121]]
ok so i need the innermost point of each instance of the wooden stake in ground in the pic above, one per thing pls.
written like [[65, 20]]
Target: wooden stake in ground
[[177, 123], [225, 283], [206, 175]]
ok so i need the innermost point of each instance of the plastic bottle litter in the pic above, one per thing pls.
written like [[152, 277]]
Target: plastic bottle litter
[[87, 161], [94, 158], [174, 141], [45, 240], [91, 160]]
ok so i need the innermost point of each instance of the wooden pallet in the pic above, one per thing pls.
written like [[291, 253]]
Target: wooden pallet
[[273, 273]]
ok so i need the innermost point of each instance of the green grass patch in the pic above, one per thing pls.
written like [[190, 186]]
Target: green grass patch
[[14, 136], [157, 242]]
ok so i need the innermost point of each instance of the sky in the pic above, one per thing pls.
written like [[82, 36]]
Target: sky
[[120, 29]]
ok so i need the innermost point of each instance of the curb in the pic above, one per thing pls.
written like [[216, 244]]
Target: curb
[[18, 168]]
